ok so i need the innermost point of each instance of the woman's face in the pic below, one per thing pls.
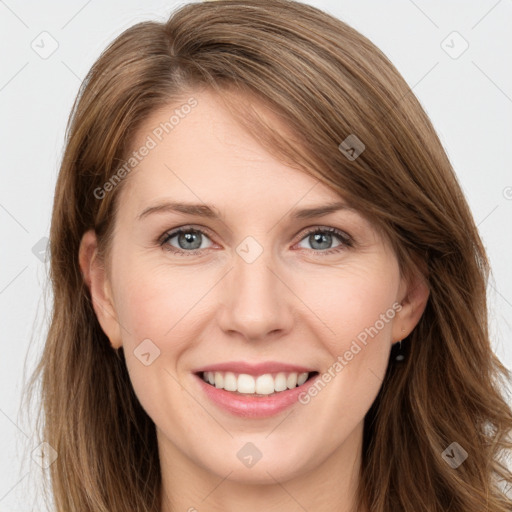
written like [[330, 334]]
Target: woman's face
[[253, 280]]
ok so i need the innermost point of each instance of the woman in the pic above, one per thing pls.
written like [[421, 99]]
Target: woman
[[269, 291]]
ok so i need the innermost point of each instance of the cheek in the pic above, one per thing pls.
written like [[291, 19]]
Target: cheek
[[361, 314], [156, 302], [354, 303], [152, 305]]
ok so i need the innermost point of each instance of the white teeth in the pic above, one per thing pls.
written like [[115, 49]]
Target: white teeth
[[280, 382], [303, 377], [219, 380], [230, 383], [246, 383], [262, 385], [265, 384], [291, 381]]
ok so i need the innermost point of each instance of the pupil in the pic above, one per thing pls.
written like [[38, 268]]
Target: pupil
[[189, 238], [320, 238]]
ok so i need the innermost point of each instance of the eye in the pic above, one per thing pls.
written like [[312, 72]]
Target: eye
[[190, 241], [322, 238]]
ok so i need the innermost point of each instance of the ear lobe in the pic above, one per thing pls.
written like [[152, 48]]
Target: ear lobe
[[93, 272], [413, 305]]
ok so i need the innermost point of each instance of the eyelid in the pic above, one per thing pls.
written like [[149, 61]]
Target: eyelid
[[187, 227], [171, 233], [346, 238]]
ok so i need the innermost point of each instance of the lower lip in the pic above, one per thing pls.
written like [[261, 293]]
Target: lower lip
[[250, 406]]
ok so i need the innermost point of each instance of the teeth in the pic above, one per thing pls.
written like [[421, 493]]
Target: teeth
[[280, 382], [261, 385], [230, 383], [219, 380], [245, 383], [265, 384], [303, 377], [291, 381]]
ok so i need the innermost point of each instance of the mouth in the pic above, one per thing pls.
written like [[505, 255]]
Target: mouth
[[263, 385]]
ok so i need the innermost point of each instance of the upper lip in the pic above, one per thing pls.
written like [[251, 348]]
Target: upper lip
[[254, 368]]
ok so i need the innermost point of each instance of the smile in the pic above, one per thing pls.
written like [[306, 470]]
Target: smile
[[260, 385], [254, 391]]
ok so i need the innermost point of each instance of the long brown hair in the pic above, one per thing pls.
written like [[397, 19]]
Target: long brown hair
[[327, 82]]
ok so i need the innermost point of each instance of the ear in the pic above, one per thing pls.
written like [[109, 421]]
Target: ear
[[414, 293], [95, 278]]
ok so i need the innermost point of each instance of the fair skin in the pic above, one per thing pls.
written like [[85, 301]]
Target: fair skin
[[293, 304]]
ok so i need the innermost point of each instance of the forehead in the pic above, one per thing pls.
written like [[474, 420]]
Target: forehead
[[203, 152]]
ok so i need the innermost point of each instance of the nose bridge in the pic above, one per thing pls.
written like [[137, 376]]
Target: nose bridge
[[255, 300], [254, 278]]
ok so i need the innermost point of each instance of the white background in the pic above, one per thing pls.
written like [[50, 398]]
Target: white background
[[467, 98]]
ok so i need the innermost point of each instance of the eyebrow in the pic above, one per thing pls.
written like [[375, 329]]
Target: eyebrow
[[209, 211]]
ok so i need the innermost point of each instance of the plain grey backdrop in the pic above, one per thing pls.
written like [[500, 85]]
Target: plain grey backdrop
[[455, 55]]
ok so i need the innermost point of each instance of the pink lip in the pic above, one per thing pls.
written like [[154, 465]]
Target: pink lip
[[254, 369], [251, 406]]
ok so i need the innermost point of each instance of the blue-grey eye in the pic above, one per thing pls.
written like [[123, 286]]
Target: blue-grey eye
[[188, 240], [321, 240]]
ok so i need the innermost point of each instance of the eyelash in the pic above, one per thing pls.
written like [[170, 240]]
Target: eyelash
[[345, 239]]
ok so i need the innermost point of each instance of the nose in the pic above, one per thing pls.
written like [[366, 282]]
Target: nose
[[256, 300]]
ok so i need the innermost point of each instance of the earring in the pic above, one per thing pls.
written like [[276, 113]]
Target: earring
[[399, 355]]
